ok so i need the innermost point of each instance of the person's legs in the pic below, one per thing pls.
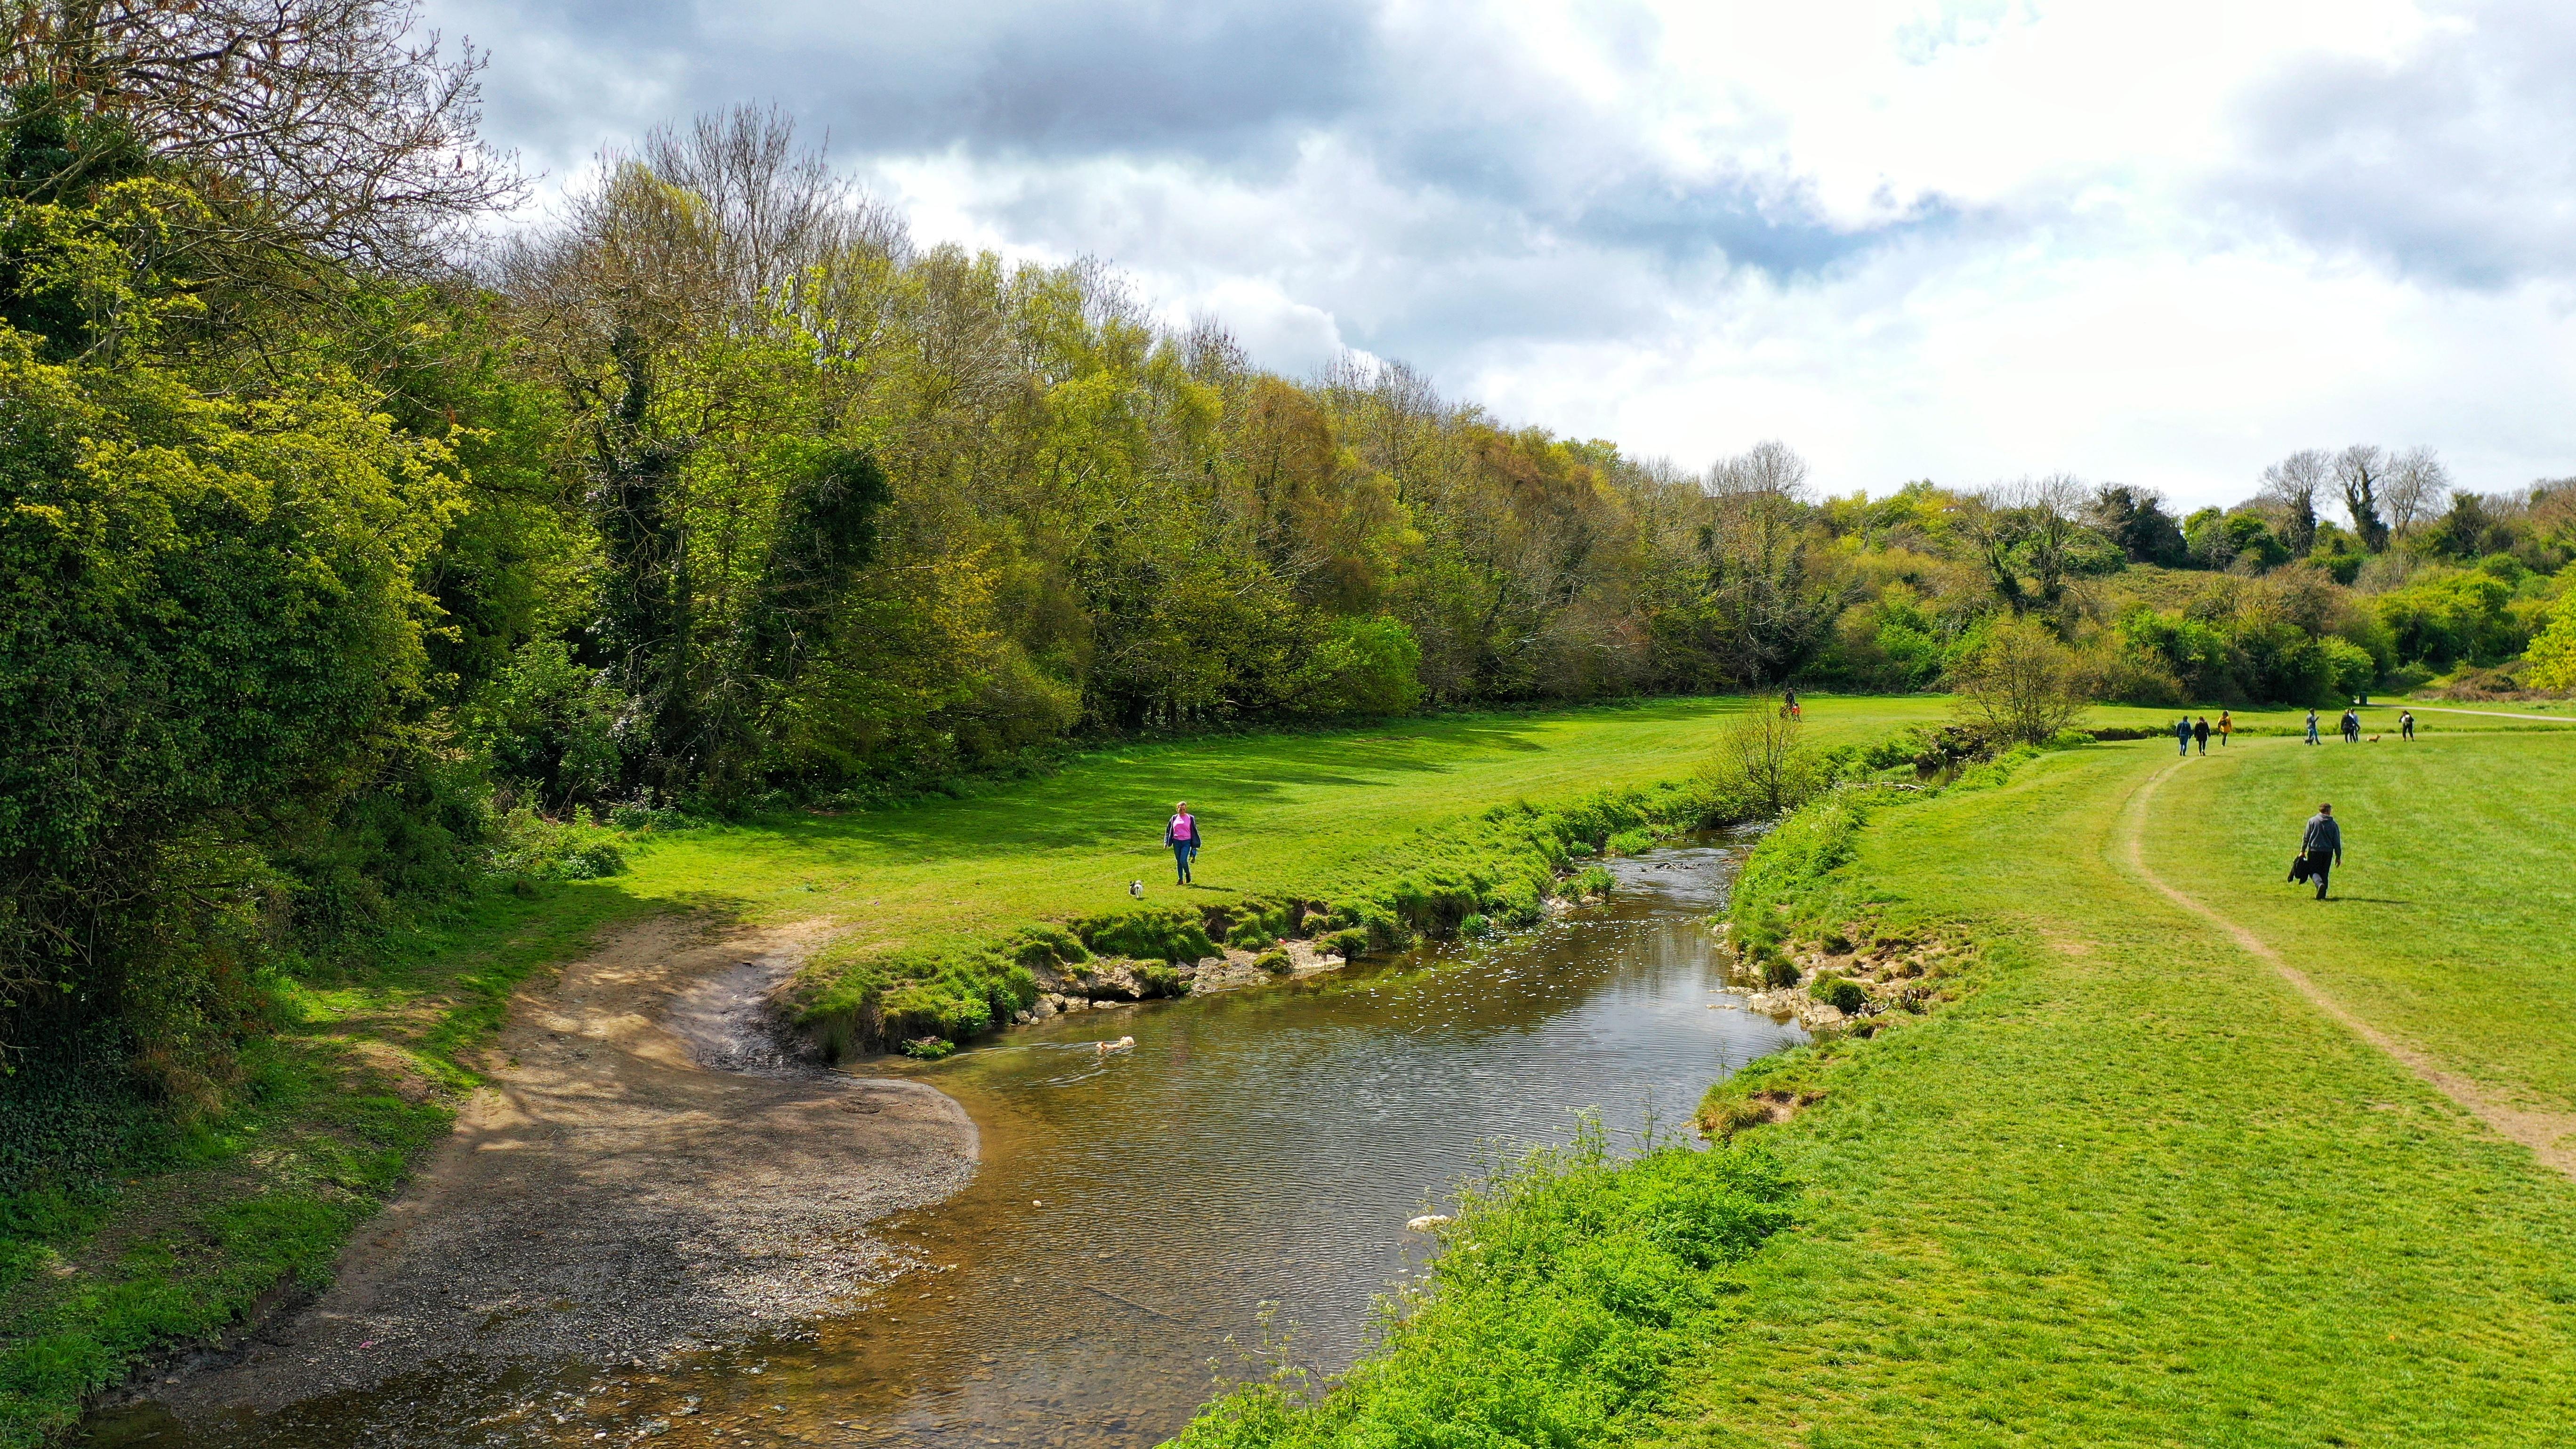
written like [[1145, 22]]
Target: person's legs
[[2318, 870], [1180, 863]]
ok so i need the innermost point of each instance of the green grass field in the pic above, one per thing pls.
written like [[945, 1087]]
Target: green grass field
[[359, 1080], [1312, 813], [2136, 1189]]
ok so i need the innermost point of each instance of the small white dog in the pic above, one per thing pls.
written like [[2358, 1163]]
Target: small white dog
[[1123, 1044]]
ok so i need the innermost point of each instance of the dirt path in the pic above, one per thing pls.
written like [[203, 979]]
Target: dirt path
[[2549, 1135], [642, 1173]]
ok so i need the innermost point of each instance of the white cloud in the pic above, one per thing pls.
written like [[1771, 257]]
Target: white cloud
[[1965, 240]]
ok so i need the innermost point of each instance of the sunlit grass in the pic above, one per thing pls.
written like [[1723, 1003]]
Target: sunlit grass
[[2135, 1190]]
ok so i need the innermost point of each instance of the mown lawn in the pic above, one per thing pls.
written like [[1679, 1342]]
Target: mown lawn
[[1311, 813], [2135, 1190]]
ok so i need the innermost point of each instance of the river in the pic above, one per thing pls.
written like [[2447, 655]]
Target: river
[[1240, 1180]]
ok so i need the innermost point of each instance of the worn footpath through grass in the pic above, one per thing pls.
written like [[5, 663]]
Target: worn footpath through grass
[[2137, 1188], [189, 1228]]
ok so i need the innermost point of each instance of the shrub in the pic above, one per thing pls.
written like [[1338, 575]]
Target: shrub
[[1276, 962], [1631, 842], [2020, 683], [1779, 972], [1161, 981], [1475, 927], [1165, 933], [1839, 993], [527, 844], [1592, 880], [929, 1048], [1349, 945], [1365, 667]]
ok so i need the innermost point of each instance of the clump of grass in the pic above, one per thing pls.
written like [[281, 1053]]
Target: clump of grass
[[1840, 993], [1475, 927], [1276, 962], [1571, 1288]]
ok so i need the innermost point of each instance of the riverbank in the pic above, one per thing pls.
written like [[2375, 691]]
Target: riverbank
[[372, 1061], [2135, 1186]]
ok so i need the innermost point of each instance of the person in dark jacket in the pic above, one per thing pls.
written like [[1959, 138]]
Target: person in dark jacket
[[2322, 846], [1185, 837], [2182, 735], [2352, 727], [2406, 724], [2200, 733]]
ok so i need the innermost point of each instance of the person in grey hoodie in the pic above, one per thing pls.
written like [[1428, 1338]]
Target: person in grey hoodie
[[2322, 845], [2182, 734]]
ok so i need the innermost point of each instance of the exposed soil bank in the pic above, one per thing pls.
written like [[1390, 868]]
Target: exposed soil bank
[[643, 1173]]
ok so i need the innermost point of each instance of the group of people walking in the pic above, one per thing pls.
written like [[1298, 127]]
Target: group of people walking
[[2189, 731], [2350, 725]]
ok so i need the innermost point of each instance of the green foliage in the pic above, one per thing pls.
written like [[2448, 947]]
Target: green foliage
[[549, 725], [2448, 617], [1839, 993], [2551, 659], [1570, 1292], [1365, 667], [529, 846], [1162, 933]]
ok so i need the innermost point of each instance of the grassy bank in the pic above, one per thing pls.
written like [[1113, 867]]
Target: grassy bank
[[2134, 1189], [177, 1234], [2130, 1187]]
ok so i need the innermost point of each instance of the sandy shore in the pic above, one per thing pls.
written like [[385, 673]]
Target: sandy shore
[[644, 1172]]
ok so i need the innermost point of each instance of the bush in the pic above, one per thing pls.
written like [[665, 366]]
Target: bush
[[929, 1048], [1592, 880], [2021, 684], [1475, 927], [1631, 842], [1349, 945], [1840, 993], [1165, 933], [528, 845], [1779, 972], [1365, 667], [1162, 981], [1277, 963]]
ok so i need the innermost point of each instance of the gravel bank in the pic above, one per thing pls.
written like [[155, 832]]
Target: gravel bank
[[644, 1173]]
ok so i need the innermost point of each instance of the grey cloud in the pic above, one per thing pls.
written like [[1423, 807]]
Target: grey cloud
[[2457, 164], [1526, 212]]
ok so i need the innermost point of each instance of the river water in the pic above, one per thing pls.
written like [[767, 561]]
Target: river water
[[1242, 1178]]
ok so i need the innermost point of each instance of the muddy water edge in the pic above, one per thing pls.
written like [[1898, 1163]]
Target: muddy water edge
[[1138, 1220]]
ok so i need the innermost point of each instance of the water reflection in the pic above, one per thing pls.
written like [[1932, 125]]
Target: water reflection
[[1136, 1212]]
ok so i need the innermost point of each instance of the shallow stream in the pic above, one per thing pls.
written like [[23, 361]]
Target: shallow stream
[[1143, 1218]]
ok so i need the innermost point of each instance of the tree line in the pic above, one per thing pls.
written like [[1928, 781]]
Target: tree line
[[347, 549]]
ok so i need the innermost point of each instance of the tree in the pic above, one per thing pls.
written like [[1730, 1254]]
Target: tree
[[2019, 684], [2294, 484], [316, 129], [1761, 758], [2135, 520], [2360, 470], [2550, 662], [1767, 615], [2416, 487]]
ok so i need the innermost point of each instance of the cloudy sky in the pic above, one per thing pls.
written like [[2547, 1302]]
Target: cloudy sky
[[2160, 244]]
